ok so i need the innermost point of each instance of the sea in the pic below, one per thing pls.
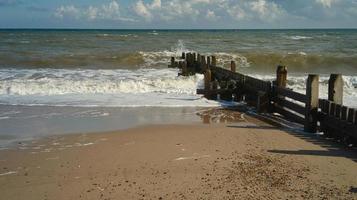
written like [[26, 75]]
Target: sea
[[70, 81]]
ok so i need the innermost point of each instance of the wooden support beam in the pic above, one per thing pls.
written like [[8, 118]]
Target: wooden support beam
[[344, 113], [233, 66], [312, 103], [335, 88], [332, 109], [338, 111], [214, 87], [207, 79], [184, 71], [281, 76], [214, 61]]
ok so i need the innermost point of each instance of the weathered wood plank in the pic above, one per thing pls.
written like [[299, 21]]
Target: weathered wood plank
[[351, 115], [289, 115], [339, 127], [290, 94], [338, 111], [290, 105], [344, 113]]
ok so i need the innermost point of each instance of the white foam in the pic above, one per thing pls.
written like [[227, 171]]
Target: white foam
[[86, 88], [298, 37]]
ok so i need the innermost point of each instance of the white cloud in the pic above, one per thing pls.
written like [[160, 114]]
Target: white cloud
[[326, 3], [211, 15], [266, 11], [110, 11], [64, 11], [262, 10], [168, 10], [236, 12], [155, 4], [143, 10]]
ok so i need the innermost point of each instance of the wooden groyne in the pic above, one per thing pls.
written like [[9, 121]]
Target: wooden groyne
[[326, 115]]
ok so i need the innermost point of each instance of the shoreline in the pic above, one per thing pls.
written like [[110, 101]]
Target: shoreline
[[244, 159]]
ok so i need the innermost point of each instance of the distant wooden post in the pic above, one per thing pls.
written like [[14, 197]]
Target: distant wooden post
[[172, 62], [214, 61], [183, 55], [184, 68], [335, 88], [312, 103], [281, 76], [233, 66], [203, 63], [208, 61], [207, 79], [194, 57]]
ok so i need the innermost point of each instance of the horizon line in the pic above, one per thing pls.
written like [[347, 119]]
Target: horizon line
[[179, 29]]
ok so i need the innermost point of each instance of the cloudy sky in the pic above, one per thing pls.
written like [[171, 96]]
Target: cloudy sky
[[180, 14]]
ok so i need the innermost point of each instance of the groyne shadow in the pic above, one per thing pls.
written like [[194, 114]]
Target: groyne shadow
[[334, 148]]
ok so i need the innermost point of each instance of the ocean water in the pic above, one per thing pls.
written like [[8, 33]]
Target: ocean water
[[89, 69]]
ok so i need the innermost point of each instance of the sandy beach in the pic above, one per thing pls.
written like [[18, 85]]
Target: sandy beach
[[245, 159]]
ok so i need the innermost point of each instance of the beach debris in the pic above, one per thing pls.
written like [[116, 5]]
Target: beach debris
[[192, 157], [54, 158], [8, 173]]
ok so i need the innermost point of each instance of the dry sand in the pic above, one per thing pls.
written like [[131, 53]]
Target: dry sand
[[243, 160]]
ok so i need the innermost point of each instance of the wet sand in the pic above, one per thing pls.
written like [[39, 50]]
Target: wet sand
[[244, 159]]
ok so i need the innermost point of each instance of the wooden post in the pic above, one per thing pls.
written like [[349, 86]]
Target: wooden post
[[172, 62], [203, 63], [335, 88], [214, 61], [281, 76], [183, 56], [184, 69], [233, 66], [207, 80], [312, 103], [332, 109]]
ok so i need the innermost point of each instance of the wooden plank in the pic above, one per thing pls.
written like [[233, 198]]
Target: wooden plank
[[223, 74], [289, 115], [351, 113], [339, 127], [290, 94], [338, 111], [290, 105], [214, 91], [344, 113]]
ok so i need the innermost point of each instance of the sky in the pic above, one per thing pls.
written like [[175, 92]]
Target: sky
[[178, 14]]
